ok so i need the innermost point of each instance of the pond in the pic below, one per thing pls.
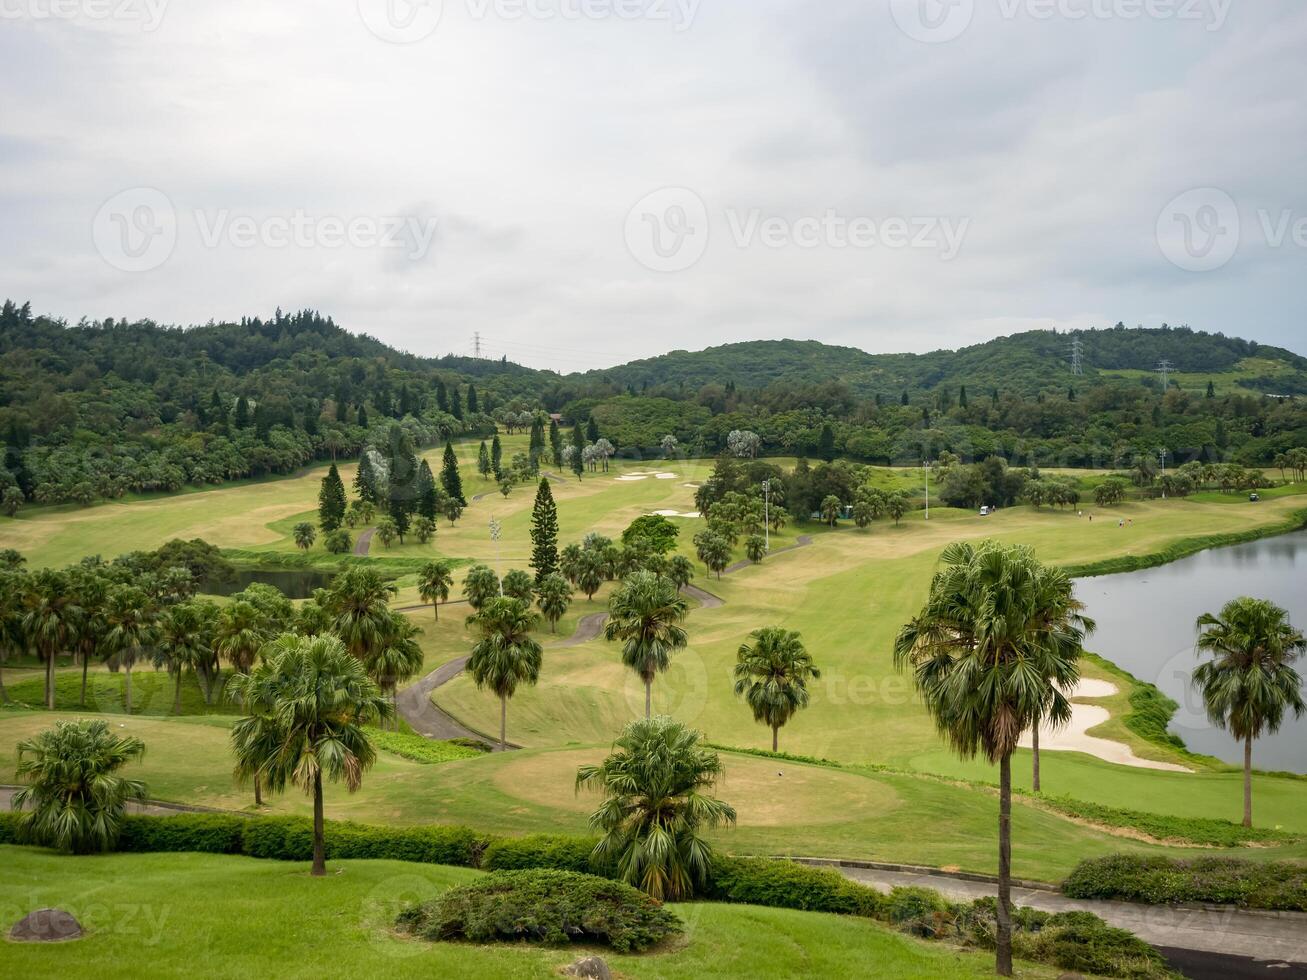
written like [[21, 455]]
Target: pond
[[294, 583], [1146, 625]]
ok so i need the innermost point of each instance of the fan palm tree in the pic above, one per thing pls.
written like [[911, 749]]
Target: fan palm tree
[[987, 665], [506, 654], [1248, 685], [680, 570], [12, 588], [238, 635], [131, 622], [73, 787], [398, 659], [480, 585], [359, 601], [655, 784], [305, 534], [554, 596], [308, 703], [434, 582], [645, 613], [772, 675], [830, 509], [183, 645], [50, 616], [91, 590]]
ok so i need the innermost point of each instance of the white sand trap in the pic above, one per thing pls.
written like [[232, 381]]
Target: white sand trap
[[632, 476], [692, 486], [689, 513], [664, 476], [1072, 737], [665, 513]]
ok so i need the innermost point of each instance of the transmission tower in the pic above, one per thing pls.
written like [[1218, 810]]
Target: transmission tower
[[1077, 353], [476, 345], [1164, 369]]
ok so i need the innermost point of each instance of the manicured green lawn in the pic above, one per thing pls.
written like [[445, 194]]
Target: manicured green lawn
[[154, 915]]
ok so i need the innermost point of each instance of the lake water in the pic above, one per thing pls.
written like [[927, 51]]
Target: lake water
[[1146, 625], [296, 583]]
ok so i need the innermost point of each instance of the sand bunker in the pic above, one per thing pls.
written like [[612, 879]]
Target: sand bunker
[[645, 474], [673, 513], [1072, 737]]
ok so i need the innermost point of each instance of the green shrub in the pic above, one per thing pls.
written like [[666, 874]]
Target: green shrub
[[544, 906], [782, 884], [921, 912], [1160, 880], [545, 851], [419, 749], [208, 833], [8, 828], [1083, 942], [1193, 830]]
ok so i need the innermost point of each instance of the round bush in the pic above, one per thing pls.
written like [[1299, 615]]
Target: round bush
[[544, 906]]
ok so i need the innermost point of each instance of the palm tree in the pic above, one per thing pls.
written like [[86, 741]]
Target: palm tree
[[359, 601], [73, 786], [183, 645], [91, 591], [554, 596], [1249, 683], [830, 509], [987, 666], [645, 613], [772, 675], [309, 701], [398, 659], [305, 534], [655, 783], [50, 617], [519, 585], [755, 548], [131, 628], [12, 588], [680, 570], [480, 585], [387, 531], [238, 635], [506, 654], [434, 582], [590, 573]]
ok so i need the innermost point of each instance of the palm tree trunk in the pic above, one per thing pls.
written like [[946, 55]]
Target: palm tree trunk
[[177, 695], [503, 723], [319, 839], [1034, 745], [1248, 781], [1003, 958], [775, 731], [435, 608], [49, 680], [4, 695], [128, 686], [258, 795], [86, 663], [648, 698]]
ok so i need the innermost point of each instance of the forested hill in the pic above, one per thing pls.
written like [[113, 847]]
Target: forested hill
[[1026, 362], [99, 409]]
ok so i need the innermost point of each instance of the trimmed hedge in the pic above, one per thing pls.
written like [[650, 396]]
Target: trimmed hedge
[[1220, 881], [1194, 830], [544, 906], [546, 851], [783, 884]]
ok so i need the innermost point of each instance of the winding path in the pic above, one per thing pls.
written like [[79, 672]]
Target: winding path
[[364, 541], [1232, 943]]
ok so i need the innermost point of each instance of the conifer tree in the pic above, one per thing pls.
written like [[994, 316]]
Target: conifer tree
[[544, 532], [578, 444], [242, 419], [362, 417], [496, 457], [592, 430], [556, 443], [331, 501], [365, 480], [536, 446], [471, 399], [483, 460], [428, 495], [456, 403], [449, 478], [442, 396]]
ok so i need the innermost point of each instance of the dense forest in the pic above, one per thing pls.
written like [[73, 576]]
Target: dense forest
[[98, 409]]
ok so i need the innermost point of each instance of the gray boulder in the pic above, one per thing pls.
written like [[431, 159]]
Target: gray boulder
[[592, 967], [46, 926]]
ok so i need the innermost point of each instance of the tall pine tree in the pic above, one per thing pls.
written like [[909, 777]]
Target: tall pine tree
[[442, 396], [496, 457], [536, 445], [544, 532], [556, 444], [471, 399], [578, 444], [365, 480], [449, 478], [331, 501], [592, 430], [483, 460], [428, 494]]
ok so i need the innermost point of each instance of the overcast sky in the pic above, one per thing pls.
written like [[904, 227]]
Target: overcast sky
[[589, 181]]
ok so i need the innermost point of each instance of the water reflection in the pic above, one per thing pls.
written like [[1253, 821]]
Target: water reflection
[[1146, 625]]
